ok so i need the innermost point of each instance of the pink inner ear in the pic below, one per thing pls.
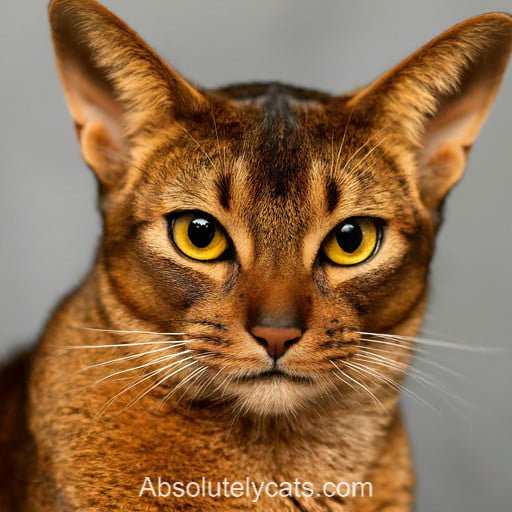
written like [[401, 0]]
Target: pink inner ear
[[447, 138], [91, 102], [98, 117], [456, 123]]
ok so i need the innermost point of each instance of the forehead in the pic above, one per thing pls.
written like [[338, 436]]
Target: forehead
[[273, 156]]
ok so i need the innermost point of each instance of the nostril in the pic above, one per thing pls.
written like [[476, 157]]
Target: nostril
[[289, 343], [262, 341]]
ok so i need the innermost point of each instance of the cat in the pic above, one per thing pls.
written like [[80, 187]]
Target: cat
[[260, 280]]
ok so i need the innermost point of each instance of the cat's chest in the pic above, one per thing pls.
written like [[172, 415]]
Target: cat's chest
[[146, 461]]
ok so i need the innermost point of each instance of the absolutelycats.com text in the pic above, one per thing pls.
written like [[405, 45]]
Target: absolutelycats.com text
[[162, 488]]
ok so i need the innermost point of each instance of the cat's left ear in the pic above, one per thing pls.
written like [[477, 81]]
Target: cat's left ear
[[439, 97], [117, 88]]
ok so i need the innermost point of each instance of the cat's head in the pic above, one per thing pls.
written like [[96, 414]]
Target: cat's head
[[275, 226]]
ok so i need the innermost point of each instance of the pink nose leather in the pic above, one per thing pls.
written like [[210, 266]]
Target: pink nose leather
[[276, 340]]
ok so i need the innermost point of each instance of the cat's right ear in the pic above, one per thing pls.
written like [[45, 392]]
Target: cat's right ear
[[438, 98], [117, 88]]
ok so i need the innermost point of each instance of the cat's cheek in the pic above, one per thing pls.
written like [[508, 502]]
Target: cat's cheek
[[177, 281], [377, 296], [145, 298], [157, 288]]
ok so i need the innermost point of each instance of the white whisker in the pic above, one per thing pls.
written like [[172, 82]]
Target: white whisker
[[198, 144], [396, 344], [401, 388], [195, 374], [140, 381], [125, 358], [150, 363], [335, 166], [365, 388], [134, 344], [363, 146], [206, 384], [434, 343], [367, 155], [424, 359], [159, 383], [415, 374], [397, 365], [117, 331]]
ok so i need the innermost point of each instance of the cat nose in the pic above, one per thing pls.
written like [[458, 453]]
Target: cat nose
[[276, 340]]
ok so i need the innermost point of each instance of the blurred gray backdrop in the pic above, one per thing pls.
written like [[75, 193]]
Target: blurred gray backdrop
[[49, 225]]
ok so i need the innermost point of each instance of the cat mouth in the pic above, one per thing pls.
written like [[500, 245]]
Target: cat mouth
[[275, 374]]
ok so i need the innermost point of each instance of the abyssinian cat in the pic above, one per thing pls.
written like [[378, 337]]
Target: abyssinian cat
[[259, 284]]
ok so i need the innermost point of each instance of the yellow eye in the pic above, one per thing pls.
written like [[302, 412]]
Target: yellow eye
[[198, 236], [352, 242]]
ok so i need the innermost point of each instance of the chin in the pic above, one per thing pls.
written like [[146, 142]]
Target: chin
[[274, 397]]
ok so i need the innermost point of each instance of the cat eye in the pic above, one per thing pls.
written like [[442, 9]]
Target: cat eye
[[353, 241], [198, 236]]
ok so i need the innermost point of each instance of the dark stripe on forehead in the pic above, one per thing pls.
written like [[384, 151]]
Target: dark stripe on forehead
[[332, 194], [223, 185], [278, 153], [277, 109]]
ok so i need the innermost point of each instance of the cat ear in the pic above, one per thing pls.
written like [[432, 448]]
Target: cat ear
[[117, 88], [440, 96]]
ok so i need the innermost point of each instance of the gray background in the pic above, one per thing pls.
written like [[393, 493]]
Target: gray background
[[49, 226]]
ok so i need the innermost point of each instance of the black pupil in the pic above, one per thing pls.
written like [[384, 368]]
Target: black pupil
[[201, 232], [349, 236]]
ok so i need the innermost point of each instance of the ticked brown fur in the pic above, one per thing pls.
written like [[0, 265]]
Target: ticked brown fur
[[278, 167]]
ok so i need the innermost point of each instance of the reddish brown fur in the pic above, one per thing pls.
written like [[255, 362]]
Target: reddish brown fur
[[279, 168]]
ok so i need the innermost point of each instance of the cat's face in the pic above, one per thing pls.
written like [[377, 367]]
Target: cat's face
[[275, 227], [302, 230]]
